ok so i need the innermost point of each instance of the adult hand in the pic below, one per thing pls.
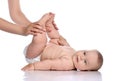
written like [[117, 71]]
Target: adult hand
[[33, 29]]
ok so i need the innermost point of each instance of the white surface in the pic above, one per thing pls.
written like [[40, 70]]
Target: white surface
[[86, 24], [62, 76]]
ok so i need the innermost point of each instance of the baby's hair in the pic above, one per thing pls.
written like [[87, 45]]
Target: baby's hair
[[100, 60]]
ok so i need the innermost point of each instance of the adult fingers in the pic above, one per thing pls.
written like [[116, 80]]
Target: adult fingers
[[39, 27]]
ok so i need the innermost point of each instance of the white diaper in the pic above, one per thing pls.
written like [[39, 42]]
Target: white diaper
[[30, 60]]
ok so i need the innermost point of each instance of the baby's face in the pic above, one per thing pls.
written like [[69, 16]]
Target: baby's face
[[85, 59]]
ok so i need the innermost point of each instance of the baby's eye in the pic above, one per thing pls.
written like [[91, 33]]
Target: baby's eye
[[85, 61], [84, 53]]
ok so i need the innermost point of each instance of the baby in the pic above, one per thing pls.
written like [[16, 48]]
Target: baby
[[57, 53]]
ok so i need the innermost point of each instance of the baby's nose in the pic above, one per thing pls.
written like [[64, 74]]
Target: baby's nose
[[82, 57]]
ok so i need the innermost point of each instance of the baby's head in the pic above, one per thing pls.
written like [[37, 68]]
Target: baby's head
[[88, 60]]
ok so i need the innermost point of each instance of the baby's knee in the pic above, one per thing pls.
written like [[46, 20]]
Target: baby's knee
[[54, 41], [40, 38], [54, 34]]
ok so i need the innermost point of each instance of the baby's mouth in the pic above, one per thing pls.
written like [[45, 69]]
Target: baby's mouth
[[77, 59]]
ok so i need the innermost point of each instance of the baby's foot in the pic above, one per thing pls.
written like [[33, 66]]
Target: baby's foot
[[44, 19], [49, 24], [52, 32]]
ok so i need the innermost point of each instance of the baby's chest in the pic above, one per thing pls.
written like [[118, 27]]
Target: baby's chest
[[56, 52]]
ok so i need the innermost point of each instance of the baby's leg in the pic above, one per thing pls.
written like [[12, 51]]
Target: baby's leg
[[44, 19], [39, 41], [52, 33]]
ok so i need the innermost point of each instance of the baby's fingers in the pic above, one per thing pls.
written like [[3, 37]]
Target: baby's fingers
[[28, 67], [25, 68]]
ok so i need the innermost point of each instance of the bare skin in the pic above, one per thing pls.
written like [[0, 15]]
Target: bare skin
[[23, 26], [39, 41], [58, 55], [12, 28], [55, 43], [18, 29], [19, 18], [16, 13]]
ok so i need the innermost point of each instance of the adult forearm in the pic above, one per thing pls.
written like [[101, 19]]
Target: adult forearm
[[10, 27], [20, 18], [16, 13]]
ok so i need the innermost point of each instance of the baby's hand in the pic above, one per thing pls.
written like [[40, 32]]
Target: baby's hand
[[62, 41], [33, 29], [29, 67]]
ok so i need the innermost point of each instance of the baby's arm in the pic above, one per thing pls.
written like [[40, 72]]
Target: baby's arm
[[55, 64], [62, 41]]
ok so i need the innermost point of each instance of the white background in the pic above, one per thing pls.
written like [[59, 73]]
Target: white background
[[86, 24]]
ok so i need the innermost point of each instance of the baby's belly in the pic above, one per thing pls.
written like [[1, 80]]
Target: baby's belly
[[53, 51]]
